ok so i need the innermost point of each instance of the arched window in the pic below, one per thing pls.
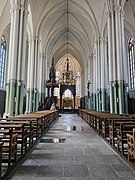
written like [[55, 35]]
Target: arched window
[[131, 62], [78, 84], [2, 61]]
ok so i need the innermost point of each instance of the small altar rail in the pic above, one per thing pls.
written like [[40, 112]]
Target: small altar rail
[[18, 134]]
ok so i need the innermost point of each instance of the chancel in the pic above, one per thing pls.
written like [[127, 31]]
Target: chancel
[[67, 82], [67, 89]]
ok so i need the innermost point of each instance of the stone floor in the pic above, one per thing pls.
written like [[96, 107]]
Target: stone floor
[[70, 150]]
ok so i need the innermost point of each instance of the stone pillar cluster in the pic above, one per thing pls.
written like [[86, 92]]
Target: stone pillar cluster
[[117, 62], [17, 49], [109, 72], [16, 85]]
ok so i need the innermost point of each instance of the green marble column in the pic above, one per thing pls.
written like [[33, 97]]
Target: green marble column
[[118, 97], [29, 100], [35, 100], [107, 104], [111, 98], [97, 100], [90, 102], [19, 97], [38, 100], [21, 104], [7, 99], [94, 101], [100, 100], [103, 99], [122, 95], [11, 102]]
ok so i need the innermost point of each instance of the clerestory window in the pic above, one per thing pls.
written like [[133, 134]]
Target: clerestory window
[[131, 62]]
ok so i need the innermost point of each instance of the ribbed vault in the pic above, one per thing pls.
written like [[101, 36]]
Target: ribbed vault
[[83, 27]]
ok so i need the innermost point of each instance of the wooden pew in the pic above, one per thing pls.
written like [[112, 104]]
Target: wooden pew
[[36, 122], [27, 125], [131, 146], [9, 151], [1, 147], [22, 126], [108, 121], [122, 136], [18, 129], [114, 124]]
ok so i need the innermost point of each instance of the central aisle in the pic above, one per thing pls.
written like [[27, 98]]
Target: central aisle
[[78, 153]]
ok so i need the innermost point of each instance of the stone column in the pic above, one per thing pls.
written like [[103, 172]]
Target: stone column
[[90, 101], [120, 51], [43, 78], [106, 79], [21, 61], [117, 60], [36, 93], [112, 62], [30, 78], [94, 82], [125, 64], [86, 79], [9, 61], [98, 76], [104, 74], [17, 49], [12, 67]]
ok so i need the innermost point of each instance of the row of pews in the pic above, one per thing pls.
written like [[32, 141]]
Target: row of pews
[[117, 130], [18, 135]]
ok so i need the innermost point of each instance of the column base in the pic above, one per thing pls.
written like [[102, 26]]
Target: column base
[[118, 97]]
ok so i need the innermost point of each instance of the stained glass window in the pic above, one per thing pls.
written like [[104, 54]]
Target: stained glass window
[[131, 62], [2, 61]]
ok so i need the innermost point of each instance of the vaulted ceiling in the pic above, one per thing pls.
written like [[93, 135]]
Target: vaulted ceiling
[[84, 25], [47, 20]]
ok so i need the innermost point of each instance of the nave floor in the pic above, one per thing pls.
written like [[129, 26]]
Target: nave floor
[[72, 153]]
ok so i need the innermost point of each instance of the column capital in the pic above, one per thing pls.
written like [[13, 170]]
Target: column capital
[[24, 10], [103, 40], [32, 38], [91, 56], [14, 8], [117, 9], [110, 13], [122, 14], [44, 55]]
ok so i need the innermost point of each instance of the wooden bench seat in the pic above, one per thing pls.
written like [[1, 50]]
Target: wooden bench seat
[[106, 122], [131, 145], [20, 129], [122, 131], [36, 123], [1, 147], [115, 124], [28, 125], [17, 134], [9, 151], [100, 121]]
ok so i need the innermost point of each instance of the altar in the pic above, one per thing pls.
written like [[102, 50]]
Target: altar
[[67, 82], [67, 102]]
